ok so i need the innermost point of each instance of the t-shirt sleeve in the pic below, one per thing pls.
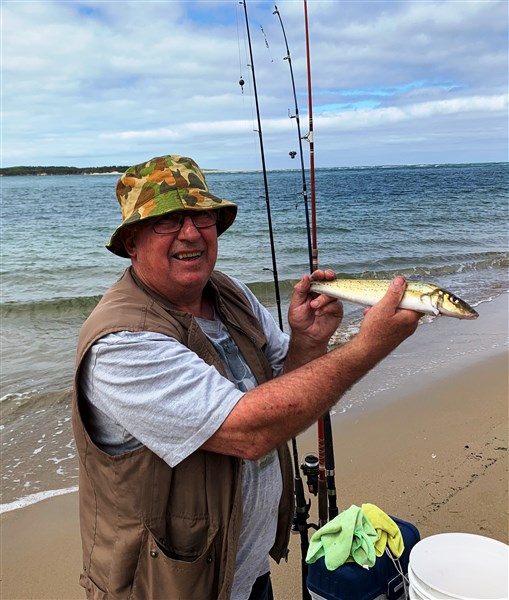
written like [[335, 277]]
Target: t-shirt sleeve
[[152, 387]]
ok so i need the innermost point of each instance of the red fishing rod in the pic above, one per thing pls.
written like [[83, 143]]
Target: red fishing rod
[[327, 502], [309, 138]]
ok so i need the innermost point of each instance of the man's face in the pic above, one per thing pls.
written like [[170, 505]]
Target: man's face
[[175, 265]]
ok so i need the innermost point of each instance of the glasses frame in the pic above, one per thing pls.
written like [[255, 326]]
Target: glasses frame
[[183, 214]]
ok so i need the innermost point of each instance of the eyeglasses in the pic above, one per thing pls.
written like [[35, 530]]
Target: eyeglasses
[[172, 222]]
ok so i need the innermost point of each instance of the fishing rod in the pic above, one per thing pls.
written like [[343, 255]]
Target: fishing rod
[[264, 169], [310, 139], [327, 501], [301, 506], [301, 155], [311, 464]]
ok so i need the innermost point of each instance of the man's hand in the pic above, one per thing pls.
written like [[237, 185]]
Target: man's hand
[[313, 319], [385, 325]]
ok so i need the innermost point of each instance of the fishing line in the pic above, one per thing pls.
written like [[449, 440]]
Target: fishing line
[[266, 43], [243, 48], [242, 45], [241, 79]]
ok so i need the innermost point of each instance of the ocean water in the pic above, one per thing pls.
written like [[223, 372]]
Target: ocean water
[[445, 224]]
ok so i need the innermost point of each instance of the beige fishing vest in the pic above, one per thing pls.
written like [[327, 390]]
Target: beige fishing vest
[[150, 531]]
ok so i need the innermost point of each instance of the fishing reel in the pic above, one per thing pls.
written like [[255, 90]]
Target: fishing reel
[[310, 468]]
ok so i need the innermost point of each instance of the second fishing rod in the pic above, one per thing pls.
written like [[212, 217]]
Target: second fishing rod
[[328, 493], [301, 514]]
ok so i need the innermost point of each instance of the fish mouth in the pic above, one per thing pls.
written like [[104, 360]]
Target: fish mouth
[[187, 256], [473, 315], [470, 315]]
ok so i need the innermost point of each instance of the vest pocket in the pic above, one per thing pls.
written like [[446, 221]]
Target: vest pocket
[[161, 574], [93, 591]]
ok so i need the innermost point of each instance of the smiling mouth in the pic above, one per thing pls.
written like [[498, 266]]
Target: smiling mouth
[[187, 255]]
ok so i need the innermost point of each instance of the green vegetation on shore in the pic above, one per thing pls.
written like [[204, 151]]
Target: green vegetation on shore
[[61, 170]]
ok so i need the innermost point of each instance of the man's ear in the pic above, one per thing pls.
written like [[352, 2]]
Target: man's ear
[[128, 235]]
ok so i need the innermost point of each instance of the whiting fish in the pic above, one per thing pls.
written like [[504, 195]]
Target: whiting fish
[[422, 297]]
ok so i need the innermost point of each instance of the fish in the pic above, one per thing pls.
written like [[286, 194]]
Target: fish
[[422, 297]]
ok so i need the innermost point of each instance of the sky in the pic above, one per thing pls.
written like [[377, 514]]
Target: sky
[[119, 82]]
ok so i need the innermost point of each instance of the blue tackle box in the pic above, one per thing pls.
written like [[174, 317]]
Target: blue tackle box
[[353, 582]]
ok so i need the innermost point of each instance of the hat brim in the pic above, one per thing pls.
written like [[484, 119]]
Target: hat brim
[[171, 202]]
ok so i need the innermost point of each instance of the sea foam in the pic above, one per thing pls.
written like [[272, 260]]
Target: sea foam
[[34, 498]]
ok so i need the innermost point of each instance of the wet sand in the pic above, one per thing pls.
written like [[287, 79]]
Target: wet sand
[[436, 458]]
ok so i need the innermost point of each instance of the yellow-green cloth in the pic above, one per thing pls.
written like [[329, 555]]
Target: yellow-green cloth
[[350, 534], [388, 532]]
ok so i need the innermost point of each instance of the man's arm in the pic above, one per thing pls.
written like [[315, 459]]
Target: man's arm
[[280, 409]]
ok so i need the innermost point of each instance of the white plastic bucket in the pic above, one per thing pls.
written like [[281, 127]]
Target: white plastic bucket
[[462, 566], [421, 590], [413, 594]]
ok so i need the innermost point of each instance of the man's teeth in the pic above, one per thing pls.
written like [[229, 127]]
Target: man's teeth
[[184, 255]]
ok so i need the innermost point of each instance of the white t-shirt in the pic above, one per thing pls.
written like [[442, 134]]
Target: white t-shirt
[[148, 389]]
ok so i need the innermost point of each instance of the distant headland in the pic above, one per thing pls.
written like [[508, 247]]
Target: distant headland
[[113, 170]]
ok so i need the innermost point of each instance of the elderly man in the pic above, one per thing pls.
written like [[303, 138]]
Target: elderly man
[[186, 393]]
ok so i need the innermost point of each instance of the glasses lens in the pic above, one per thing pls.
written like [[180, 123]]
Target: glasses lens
[[206, 218], [172, 222], [168, 224]]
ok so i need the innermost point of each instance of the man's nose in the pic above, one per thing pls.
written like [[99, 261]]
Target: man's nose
[[188, 228]]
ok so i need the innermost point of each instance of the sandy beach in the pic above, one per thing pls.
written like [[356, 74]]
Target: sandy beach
[[431, 449]]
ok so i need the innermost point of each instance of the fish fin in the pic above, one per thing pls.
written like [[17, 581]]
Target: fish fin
[[432, 299]]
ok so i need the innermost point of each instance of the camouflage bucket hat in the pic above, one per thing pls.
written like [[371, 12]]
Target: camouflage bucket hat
[[163, 185]]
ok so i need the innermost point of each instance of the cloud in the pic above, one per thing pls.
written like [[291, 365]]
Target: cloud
[[115, 82], [360, 119]]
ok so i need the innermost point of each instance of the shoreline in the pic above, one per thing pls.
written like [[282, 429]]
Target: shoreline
[[429, 447], [38, 452]]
